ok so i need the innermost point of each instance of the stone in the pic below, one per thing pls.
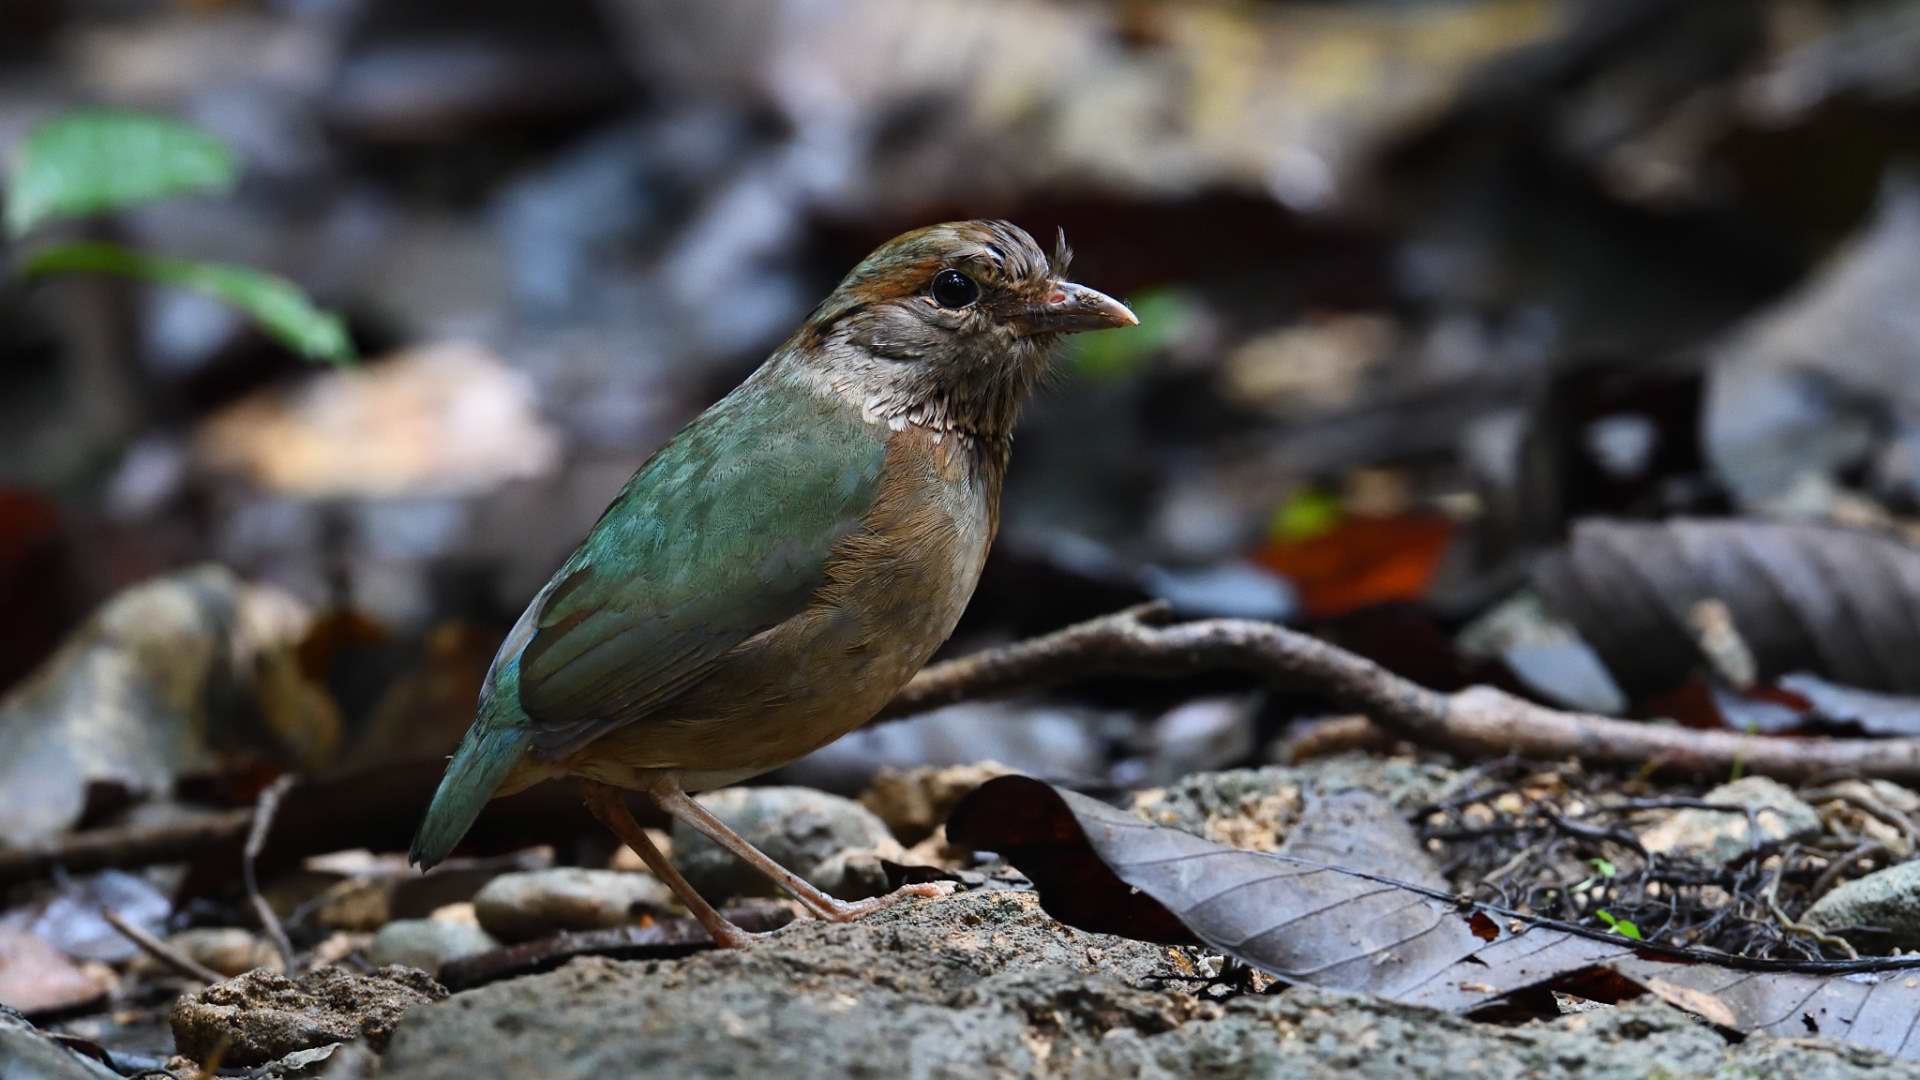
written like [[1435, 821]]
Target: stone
[[1720, 838], [1254, 808], [914, 802], [986, 984], [521, 907], [355, 905], [228, 950], [134, 698], [1886, 899], [28, 1054], [799, 828], [261, 1016], [1843, 803], [428, 944]]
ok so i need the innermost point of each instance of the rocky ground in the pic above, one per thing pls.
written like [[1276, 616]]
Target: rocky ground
[[984, 982], [988, 984]]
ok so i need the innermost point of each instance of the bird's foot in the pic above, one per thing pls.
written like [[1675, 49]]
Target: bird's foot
[[847, 911], [728, 936]]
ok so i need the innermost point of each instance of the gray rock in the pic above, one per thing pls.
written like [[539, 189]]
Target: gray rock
[[914, 802], [130, 701], [261, 1016], [986, 984], [1722, 837], [27, 1054], [521, 907], [799, 828], [1254, 808], [428, 944], [1887, 899], [943, 984]]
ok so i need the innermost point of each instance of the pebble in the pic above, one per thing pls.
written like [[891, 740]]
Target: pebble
[[228, 950], [539, 903], [1886, 899], [810, 832], [914, 802], [428, 944], [1720, 838]]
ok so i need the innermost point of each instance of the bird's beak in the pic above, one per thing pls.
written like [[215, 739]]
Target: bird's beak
[[1071, 308]]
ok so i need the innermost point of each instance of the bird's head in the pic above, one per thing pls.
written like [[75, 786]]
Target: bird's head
[[951, 325]]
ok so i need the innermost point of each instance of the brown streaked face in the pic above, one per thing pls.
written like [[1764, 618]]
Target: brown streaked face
[[950, 326], [967, 295]]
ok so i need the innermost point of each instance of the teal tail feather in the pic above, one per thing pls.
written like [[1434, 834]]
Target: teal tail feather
[[486, 756]]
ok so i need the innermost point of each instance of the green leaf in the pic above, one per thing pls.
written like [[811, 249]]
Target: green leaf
[[278, 305], [92, 161], [1307, 514], [1618, 926], [1165, 315], [1603, 868]]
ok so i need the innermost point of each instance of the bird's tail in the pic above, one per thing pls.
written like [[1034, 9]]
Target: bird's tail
[[488, 753]]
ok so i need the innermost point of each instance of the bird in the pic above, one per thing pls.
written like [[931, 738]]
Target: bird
[[775, 573]]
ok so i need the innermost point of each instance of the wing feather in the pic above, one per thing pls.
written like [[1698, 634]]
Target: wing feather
[[721, 535]]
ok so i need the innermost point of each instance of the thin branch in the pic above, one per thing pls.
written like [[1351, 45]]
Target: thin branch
[[263, 812], [1478, 722], [125, 845], [161, 951], [1831, 876]]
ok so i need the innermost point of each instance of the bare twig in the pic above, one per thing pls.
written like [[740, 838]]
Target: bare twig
[[127, 845], [1477, 722], [264, 810], [161, 951], [1839, 866], [1772, 895], [1868, 803]]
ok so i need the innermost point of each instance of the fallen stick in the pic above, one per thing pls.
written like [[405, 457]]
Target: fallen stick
[[123, 846], [264, 810], [1477, 722], [161, 951]]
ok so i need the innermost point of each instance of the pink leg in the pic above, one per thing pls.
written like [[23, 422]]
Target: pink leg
[[609, 805], [679, 804]]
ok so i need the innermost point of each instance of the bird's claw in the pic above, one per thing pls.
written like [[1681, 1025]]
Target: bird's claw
[[847, 911]]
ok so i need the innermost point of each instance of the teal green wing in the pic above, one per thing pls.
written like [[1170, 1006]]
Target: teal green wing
[[723, 534]]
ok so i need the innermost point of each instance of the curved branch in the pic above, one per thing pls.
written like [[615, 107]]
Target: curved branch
[[1479, 721]]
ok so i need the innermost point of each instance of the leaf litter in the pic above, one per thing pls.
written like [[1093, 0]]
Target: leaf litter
[[1353, 902]]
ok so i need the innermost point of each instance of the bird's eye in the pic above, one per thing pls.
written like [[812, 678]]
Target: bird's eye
[[953, 289]]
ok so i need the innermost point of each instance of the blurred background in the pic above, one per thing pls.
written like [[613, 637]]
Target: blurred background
[[1422, 283]]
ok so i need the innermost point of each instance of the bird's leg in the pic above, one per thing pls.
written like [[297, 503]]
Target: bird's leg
[[609, 805], [680, 805]]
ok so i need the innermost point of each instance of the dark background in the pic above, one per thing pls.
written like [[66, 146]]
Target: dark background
[[1421, 283]]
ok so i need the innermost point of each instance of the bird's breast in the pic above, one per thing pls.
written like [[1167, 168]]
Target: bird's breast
[[894, 590]]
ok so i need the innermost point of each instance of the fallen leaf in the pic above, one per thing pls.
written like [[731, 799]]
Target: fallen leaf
[[1698, 1002], [37, 978], [1351, 902], [1362, 561], [1833, 601]]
